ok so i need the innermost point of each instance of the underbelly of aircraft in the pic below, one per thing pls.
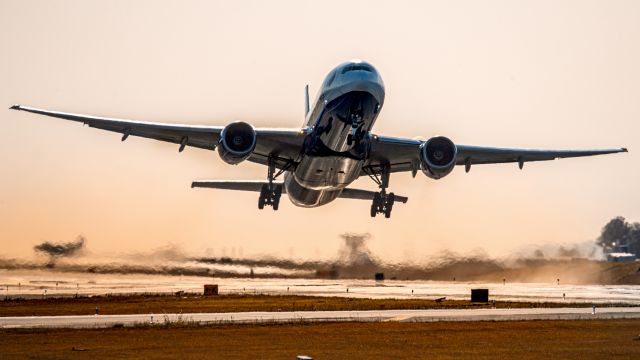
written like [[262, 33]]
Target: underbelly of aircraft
[[327, 172], [306, 197]]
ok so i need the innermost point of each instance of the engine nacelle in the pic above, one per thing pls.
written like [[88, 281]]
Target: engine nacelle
[[438, 157], [237, 142]]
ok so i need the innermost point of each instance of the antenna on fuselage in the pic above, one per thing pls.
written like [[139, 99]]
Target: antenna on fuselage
[[306, 100]]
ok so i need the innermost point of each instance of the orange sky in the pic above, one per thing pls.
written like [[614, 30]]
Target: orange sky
[[536, 74]]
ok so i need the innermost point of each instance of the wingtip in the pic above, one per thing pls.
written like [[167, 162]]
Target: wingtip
[[16, 107], [625, 150]]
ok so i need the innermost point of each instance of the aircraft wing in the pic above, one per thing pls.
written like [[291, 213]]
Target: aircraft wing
[[489, 155], [404, 154], [283, 144]]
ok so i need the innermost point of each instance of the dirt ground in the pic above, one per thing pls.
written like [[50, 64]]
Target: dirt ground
[[160, 304], [586, 339]]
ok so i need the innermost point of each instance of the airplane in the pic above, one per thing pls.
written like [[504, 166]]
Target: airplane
[[334, 147]]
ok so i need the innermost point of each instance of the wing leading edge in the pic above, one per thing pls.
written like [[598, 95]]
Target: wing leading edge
[[282, 144], [404, 154], [470, 155]]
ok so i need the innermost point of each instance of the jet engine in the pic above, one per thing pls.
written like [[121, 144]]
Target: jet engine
[[237, 142], [438, 157]]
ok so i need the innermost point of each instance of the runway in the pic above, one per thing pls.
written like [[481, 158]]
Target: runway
[[38, 284], [105, 321]]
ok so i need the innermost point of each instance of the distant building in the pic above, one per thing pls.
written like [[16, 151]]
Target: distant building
[[621, 257]]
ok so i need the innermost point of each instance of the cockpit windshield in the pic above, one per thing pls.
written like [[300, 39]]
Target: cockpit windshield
[[355, 67]]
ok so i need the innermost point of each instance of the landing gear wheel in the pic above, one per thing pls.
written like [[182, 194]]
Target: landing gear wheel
[[388, 205], [270, 195], [382, 204], [375, 205], [263, 197], [276, 197]]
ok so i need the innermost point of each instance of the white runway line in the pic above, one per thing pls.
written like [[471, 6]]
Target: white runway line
[[105, 321]]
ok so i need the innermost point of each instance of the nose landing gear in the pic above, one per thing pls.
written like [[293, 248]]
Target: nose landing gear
[[356, 123]]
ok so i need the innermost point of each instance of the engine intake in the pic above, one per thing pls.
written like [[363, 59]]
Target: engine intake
[[237, 142], [438, 157]]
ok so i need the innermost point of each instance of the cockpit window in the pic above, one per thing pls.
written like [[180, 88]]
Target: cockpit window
[[354, 67]]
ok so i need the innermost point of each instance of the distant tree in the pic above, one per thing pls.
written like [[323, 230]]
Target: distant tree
[[616, 231], [634, 239]]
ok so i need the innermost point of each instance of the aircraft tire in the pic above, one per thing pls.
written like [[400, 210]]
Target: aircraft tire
[[389, 205]]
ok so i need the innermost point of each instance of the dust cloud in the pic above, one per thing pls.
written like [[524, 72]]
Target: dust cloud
[[577, 264], [65, 249]]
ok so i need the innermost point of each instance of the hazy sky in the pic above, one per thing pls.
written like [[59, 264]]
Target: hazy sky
[[536, 74]]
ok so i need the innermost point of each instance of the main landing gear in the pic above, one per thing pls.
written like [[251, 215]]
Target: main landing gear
[[270, 193], [270, 196], [382, 202]]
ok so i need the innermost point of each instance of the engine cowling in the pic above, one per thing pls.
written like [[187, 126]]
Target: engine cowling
[[438, 157], [237, 142]]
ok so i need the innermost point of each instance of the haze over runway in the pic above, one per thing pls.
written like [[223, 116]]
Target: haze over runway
[[533, 74], [56, 284]]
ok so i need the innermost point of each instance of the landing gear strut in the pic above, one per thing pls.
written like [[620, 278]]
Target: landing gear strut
[[356, 122], [382, 202], [270, 193]]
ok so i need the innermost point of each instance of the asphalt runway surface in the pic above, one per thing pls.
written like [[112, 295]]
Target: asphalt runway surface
[[104, 321]]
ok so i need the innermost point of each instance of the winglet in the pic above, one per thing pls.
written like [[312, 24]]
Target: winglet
[[15, 107], [625, 150]]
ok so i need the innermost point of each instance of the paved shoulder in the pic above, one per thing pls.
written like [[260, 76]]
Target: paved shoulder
[[102, 321]]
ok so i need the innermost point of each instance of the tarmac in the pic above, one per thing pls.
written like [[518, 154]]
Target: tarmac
[[106, 321], [41, 284]]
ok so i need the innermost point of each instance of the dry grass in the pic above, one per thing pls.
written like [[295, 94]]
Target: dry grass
[[227, 303], [596, 339]]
